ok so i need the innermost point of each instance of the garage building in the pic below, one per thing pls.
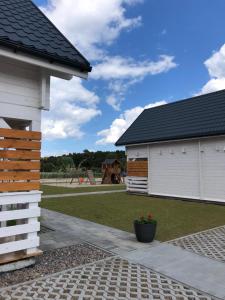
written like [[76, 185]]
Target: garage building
[[178, 149]]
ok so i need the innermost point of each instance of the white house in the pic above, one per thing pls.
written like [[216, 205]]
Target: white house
[[178, 149], [31, 51]]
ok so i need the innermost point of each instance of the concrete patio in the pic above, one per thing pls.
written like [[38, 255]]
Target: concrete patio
[[135, 271]]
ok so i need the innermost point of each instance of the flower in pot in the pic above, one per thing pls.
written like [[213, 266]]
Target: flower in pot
[[145, 229]]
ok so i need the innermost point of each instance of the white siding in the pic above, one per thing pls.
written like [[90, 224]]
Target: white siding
[[23, 85], [20, 83], [213, 169], [188, 169], [22, 113], [174, 169], [137, 152], [24, 91]]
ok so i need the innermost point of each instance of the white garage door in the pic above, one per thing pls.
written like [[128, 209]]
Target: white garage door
[[174, 169], [213, 169]]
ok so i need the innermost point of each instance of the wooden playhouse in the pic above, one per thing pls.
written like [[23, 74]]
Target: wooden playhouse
[[111, 170], [31, 51]]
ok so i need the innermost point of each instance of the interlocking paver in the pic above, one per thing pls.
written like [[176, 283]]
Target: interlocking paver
[[111, 279], [210, 243]]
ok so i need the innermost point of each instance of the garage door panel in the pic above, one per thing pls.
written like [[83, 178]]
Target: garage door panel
[[174, 169], [213, 169]]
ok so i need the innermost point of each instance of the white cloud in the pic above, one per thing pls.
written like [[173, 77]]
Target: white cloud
[[124, 72], [71, 91], [113, 101], [120, 125], [72, 106], [216, 63], [46, 153], [214, 84], [92, 26], [89, 24], [125, 68], [216, 68]]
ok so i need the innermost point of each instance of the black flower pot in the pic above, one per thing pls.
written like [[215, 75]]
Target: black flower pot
[[145, 233]]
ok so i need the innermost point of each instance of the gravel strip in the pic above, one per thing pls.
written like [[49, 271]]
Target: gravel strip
[[54, 261]]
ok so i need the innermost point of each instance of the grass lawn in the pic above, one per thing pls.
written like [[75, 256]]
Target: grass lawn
[[175, 217], [54, 190]]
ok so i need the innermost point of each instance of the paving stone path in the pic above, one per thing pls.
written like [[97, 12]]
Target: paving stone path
[[110, 279], [209, 243], [81, 194], [159, 271]]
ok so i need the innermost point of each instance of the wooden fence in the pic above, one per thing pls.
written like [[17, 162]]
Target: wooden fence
[[19, 193], [137, 176], [137, 168]]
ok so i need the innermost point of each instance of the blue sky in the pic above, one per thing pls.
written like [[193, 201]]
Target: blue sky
[[142, 53]]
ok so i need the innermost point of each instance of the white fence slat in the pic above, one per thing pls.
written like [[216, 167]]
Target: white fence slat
[[32, 235], [138, 178], [137, 190], [135, 180], [19, 198], [19, 214], [19, 229], [137, 184], [19, 245]]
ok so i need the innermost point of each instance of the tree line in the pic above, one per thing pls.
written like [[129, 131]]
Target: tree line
[[84, 160]]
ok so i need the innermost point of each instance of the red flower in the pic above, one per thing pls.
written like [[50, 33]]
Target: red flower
[[150, 216]]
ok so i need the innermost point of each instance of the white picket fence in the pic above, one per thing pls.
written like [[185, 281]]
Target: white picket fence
[[21, 208], [137, 184]]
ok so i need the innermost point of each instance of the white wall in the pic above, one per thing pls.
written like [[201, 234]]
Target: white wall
[[189, 169], [213, 169], [174, 169], [137, 151], [24, 91]]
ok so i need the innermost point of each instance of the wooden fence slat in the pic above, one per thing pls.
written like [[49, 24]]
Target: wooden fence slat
[[137, 168], [17, 144], [137, 174], [19, 165], [19, 186], [20, 134], [137, 163], [19, 175], [20, 154]]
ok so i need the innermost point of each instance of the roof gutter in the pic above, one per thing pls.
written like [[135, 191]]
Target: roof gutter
[[173, 140], [52, 58], [55, 69]]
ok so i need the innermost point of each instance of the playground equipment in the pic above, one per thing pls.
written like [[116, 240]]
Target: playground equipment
[[111, 170]]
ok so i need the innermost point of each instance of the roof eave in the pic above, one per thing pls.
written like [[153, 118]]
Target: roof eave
[[52, 58], [54, 68], [175, 138]]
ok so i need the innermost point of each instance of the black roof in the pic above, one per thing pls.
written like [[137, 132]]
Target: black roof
[[199, 116], [24, 27], [109, 161]]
